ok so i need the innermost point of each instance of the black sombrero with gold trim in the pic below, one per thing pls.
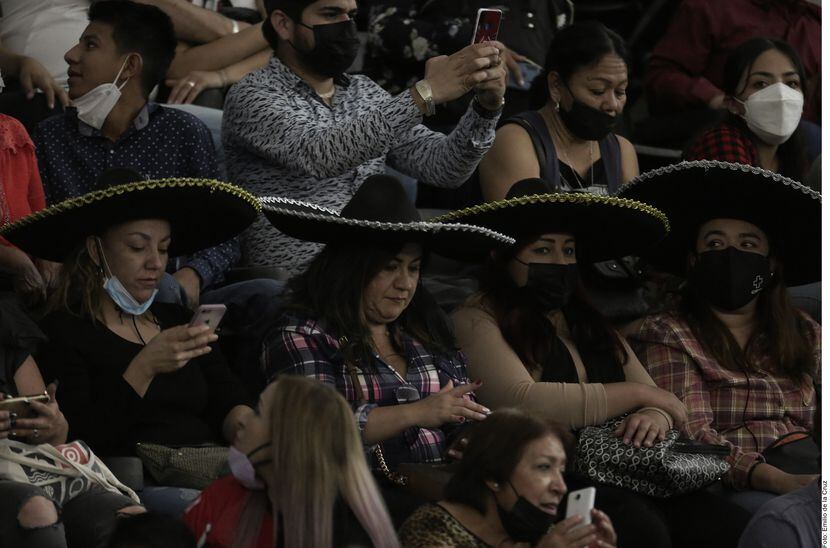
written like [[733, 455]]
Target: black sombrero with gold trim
[[202, 213], [379, 212], [692, 193], [604, 227]]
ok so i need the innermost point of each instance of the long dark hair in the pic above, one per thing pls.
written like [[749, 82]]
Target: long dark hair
[[782, 332], [331, 291], [532, 336], [791, 153], [579, 45], [494, 450]]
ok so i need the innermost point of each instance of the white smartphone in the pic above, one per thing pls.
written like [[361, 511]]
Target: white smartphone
[[580, 503], [209, 315], [487, 26]]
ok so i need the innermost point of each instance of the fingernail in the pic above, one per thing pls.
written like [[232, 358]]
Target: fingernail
[[487, 411]]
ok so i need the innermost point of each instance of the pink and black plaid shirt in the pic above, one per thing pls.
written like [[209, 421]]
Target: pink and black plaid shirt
[[746, 412], [303, 347]]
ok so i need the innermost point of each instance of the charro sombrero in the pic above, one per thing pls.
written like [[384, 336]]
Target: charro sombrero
[[379, 212], [201, 212], [604, 227], [691, 193]]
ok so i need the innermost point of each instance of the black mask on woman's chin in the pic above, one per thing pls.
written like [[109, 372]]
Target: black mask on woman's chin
[[335, 48], [729, 279], [585, 122], [551, 286], [525, 522]]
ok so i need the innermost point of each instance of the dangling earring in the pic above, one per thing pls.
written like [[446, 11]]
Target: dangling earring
[[556, 106]]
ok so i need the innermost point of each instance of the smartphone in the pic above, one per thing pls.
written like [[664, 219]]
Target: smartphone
[[209, 315], [487, 26], [530, 71], [580, 503], [20, 405]]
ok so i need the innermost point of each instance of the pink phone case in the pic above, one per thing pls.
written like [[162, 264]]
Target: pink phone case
[[208, 314]]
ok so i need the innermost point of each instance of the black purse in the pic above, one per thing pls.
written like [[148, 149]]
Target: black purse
[[671, 467]]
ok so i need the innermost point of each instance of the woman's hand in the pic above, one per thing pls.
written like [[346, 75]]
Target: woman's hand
[[766, 477], [28, 283], [449, 405], [168, 351], [606, 536], [668, 402], [643, 428], [452, 76], [48, 426], [32, 74], [187, 89], [171, 349], [570, 533]]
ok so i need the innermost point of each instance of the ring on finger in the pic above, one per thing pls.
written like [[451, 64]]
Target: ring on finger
[[35, 433], [191, 84]]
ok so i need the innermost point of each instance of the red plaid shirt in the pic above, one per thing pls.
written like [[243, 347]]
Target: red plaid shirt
[[302, 346], [726, 143], [746, 412]]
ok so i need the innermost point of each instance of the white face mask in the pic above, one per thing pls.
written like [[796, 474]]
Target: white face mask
[[94, 106], [774, 112]]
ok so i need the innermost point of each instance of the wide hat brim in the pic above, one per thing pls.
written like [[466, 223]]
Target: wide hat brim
[[313, 223], [604, 227], [692, 193], [202, 213]]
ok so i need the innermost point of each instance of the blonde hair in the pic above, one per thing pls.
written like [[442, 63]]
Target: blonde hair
[[316, 454]]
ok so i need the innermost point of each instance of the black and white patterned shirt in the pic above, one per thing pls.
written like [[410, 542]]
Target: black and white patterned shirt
[[281, 139]]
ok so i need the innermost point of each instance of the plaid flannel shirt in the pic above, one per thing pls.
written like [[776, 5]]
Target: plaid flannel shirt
[[746, 412], [301, 346], [724, 142]]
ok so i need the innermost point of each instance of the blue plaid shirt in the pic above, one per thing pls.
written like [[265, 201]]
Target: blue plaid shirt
[[301, 346]]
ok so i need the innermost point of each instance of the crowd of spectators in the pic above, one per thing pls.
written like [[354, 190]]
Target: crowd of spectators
[[435, 260]]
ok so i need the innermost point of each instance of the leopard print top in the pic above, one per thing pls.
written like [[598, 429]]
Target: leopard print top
[[431, 525]]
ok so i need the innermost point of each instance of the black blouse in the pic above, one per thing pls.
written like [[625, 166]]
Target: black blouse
[[185, 407]]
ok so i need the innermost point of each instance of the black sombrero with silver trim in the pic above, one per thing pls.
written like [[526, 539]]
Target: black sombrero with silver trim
[[379, 212], [202, 213], [692, 193], [604, 227]]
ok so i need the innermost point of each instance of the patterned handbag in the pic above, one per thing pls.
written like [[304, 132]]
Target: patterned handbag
[[62, 471], [668, 468]]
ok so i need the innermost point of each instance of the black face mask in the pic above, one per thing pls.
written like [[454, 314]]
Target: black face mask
[[585, 122], [525, 522], [728, 279], [335, 48], [551, 285]]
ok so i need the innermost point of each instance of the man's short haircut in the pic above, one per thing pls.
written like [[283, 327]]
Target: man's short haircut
[[142, 29], [292, 8]]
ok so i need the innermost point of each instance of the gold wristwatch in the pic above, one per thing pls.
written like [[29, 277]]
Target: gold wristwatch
[[423, 89]]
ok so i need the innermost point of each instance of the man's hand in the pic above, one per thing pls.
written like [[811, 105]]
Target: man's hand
[[191, 282], [34, 75], [490, 92], [187, 89], [452, 76]]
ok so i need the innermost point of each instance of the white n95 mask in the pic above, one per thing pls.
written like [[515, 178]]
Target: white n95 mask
[[774, 112], [95, 105]]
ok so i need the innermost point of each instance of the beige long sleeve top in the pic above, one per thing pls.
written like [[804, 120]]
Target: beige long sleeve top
[[506, 381]]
